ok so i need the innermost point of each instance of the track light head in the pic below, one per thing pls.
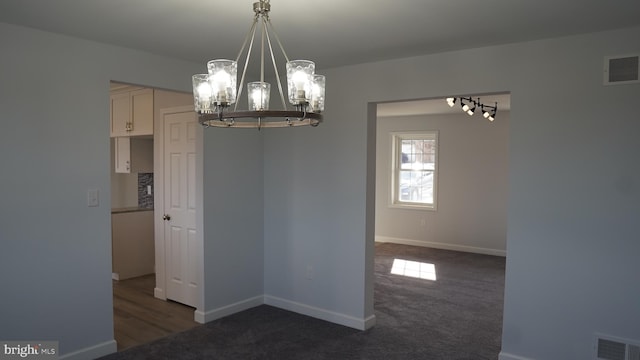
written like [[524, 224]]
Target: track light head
[[465, 107], [451, 101], [485, 113], [488, 111], [471, 110]]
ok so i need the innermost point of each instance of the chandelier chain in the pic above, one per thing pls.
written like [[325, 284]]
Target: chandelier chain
[[275, 33], [275, 67], [246, 39], [264, 29], [246, 63]]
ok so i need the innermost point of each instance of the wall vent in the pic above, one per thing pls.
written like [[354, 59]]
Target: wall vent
[[622, 69], [611, 348]]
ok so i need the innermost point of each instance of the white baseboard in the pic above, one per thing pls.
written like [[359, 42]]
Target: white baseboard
[[506, 356], [443, 246], [322, 314], [115, 276], [159, 293], [204, 317], [92, 352], [369, 322]]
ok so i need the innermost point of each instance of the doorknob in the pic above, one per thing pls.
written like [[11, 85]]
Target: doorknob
[[166, 217]]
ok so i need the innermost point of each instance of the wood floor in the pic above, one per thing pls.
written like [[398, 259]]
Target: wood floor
[[140, 318]]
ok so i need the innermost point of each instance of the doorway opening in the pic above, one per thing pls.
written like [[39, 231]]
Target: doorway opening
[[453, 248], [142, 310]]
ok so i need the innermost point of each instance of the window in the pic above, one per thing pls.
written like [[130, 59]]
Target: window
[[414, 164]]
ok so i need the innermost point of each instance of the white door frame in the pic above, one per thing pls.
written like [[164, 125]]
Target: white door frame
[[158, 201]]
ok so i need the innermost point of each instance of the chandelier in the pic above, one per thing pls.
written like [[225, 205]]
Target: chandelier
[[469, 106], [216, 93]]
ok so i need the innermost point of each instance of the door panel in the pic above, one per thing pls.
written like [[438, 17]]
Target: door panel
[[181, 236]]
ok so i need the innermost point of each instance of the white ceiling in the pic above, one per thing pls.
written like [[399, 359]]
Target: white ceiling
[[330, 32]]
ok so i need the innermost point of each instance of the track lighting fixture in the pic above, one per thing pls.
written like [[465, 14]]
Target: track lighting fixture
[[469, 106]]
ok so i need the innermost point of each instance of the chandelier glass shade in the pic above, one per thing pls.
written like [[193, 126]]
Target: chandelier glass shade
[[216, 94]]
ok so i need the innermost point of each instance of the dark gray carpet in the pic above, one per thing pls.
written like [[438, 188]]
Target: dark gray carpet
[[458, 316]]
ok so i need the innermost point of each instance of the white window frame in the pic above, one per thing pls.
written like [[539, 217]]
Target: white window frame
[[396, 162]]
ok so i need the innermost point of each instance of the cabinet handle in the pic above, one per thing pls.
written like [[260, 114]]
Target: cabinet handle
[[166, 217]]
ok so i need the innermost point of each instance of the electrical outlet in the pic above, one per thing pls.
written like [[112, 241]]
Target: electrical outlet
[[423, 222], [309, 274]]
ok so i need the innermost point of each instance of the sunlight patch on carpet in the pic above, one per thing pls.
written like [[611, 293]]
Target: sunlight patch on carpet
[[415, 269]]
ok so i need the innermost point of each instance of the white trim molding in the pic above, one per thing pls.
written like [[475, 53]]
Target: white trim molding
[[205, 317], [92, 352], [322, 314], [506, 356], [304, 309], [443, 246], [158, 293]]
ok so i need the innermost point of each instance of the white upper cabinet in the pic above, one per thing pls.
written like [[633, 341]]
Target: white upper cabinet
[[133, 155], [123, 155], [132, 113]]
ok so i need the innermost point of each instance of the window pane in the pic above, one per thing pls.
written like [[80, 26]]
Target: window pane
[[416, 186], [416, 170]]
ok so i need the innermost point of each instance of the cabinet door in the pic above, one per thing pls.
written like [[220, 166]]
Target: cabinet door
[[123, 155], [132, 244], [120, 114], [142, 112]]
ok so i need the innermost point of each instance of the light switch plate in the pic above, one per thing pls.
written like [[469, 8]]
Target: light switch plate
[[93, 198]]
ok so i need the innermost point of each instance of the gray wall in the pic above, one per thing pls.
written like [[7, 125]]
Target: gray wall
[[55, 262], [471, 184], [233, 216], [573, 206], [314, 216]]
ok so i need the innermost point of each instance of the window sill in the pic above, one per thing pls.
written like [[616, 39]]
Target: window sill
[[412, 206]]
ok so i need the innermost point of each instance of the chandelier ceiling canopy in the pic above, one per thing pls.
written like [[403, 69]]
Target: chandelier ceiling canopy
[[217, 92]]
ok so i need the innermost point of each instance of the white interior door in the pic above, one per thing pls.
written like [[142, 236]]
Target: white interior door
[[182, 244]]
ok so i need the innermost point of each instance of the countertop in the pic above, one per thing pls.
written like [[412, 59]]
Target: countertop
[[129, 209]]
